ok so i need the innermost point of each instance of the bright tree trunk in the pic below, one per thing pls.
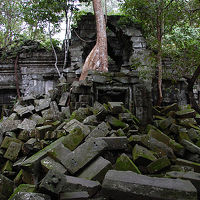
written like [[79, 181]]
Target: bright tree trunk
[[98, 57]]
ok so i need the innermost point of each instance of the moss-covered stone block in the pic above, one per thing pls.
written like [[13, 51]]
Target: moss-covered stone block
[[124, 163], [6, 186], [23, 188], [158, 165], [13, 151], [48, 163], [142, 153], [74, 138], [7, 140], [7, 167], [184, 162], [33, 162], [116, 123], [186, 113]]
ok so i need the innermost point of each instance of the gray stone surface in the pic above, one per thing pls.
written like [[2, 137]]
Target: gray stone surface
[[74, 195], [63, 99], [6, 186], [27, 125], [129, 185], [53, 182], [191, 176], [83, 154], [96, 170], [9, 125], [80, 184], [75, 123], [115, 143], [190, 146], [30, 196], [102, 130], [42, 104], [24, 111]]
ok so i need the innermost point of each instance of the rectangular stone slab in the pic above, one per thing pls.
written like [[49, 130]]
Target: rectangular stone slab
[[129, 185], [96, 170], [83, 154], [115, 143], [74, 184], [33, 162], [74, 195], [191, 176]]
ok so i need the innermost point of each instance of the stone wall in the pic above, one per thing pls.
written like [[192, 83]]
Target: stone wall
[[114, 87]]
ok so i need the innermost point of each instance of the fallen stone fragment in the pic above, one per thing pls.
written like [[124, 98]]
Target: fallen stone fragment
[[96, 170], [74, 195], [24, 111], [115, 143], [13, 151], [115, 123], [59, 152], [23, 135], [9, 125], [172, 107], [37, 118], [74, 138], [75, 184], [7, 167], [66, 112], [33, 162], [6, 186], [40, 131], [183, 162], [91, 120], [158, 165], [191, 176], [190, 146], [100, 111], [42, 104], [23, 188], [27, 124], [30, 195], [116, 107], [53, 182], [129, 185], [63, 99], [78, 158], [48, 164], [7, 140], [141, 154], [75, 123], [159, 147], [102, 130], [124, 163], [158, 135], [187, 113]]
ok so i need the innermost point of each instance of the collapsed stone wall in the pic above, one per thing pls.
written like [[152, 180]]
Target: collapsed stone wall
[[126, 45]]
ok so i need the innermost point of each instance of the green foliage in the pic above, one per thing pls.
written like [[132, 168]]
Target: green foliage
[[77, 16]]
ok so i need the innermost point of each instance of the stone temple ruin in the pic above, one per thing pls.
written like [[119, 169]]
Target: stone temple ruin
[[37, 74]]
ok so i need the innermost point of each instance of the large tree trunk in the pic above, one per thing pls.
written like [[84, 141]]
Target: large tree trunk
[[190, 89], [159, 54], [98, 57]]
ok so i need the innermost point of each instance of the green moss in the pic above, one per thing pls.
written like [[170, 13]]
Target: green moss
[[139, 151], [116, 122], [158, 165], [124, 163], [75, 137], [23, 188]]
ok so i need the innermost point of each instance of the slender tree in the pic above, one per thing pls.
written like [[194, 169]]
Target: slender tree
[[157, 17], [98, 57]]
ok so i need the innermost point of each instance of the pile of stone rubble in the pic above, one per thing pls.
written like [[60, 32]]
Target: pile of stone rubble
[[99, 152]]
